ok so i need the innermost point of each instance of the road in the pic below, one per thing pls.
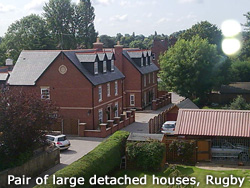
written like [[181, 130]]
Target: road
[[80, 146]]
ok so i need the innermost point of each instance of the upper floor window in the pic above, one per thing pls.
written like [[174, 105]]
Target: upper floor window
[[112, 65], [142, 62], [108, 89], [100, 93], [153, 56], [45, 93], [149, 78], [145, 81], [153, 77], [116, 88], [104, 66], [96, 67]]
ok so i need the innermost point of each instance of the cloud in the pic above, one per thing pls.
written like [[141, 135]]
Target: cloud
[[190, 1], [163, 20], [103, 2], [119, 17], [136, 3], [35, 5], [6, 8]]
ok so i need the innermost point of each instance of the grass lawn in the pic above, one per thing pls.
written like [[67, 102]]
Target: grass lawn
[[188, 171]]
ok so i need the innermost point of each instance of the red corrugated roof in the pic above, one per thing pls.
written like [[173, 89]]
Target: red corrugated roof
[[200, 122]]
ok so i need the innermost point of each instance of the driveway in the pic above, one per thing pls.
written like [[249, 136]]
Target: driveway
[[80, 146], [142, 117]]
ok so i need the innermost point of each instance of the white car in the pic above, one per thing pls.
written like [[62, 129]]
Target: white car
[[168, 127], [59, 141]]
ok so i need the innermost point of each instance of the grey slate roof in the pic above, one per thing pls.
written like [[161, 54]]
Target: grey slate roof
[[30, 66], [3, 76], [143, 70], [94, 79], [236, 88], [145, 137], [187, 104], [86, 57]]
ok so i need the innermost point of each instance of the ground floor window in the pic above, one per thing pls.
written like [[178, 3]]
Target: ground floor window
[[132, 100], [145, 98], [100, 116]]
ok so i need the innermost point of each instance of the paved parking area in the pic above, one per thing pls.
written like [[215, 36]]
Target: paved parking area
[[80, 146]]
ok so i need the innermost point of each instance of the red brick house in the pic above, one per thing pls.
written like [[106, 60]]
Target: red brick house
[[158, 48], [140, 85], [85, 84]]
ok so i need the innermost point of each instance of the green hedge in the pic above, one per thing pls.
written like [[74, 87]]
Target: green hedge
[[146, 155], [100, 161]]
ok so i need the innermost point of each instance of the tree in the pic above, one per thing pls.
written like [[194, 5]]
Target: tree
[[240, 71], [245, 51], [205, 30], [28, 33], [85, 23], [239, 103], [187, 67], [23, 117], [59, 16], [108, 42]]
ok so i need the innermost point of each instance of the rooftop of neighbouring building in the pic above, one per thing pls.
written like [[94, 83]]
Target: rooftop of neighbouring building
[[236, 88]]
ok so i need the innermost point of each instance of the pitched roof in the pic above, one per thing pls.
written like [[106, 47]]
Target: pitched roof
[[236, 88], [144, 69], [187, 104], [145, 137], [200, 122], [30, 66]]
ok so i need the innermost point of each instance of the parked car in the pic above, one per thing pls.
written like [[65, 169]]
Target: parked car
[[59, 141], [228, 150], [168, 127]]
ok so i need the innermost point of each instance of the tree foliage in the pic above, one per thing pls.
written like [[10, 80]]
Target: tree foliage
[[205, 30], [23, 117], [239, 103], [187, 67], [240, 71], [28, 33]]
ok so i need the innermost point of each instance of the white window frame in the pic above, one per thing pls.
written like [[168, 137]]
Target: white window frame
[[116, 88], [145, 80], [142, 62], [96, 67], [149, 78], [153, 77], [146, 60], [117, 109], [112, 65], [100, 116], [45, 93], [108, 89], [100, 93], [132, 99], [104, 66]]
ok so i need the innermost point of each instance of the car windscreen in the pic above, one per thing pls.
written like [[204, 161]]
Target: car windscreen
[[169, 125], [62, 138]]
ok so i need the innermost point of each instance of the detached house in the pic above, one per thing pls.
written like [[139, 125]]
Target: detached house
[[84, 84]]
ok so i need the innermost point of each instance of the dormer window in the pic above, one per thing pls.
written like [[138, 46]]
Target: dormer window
[[142, 62], [96, 67], [112, 65], [104, 66], [146, 60], [151, 60]]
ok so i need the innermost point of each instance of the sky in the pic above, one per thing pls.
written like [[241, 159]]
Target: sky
[[139, 16]]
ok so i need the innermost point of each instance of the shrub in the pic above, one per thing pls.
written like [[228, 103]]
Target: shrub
[[239, 103], [183, 149], [100, 161], [146, 155]]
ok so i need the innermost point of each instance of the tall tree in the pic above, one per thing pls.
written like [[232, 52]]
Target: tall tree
[[205, 30], [85, 15], [186, 68], [245, 51], [28, 33], [59, 16]]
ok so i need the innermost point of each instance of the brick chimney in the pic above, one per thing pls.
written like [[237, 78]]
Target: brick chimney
[[98, 46], [118, 56]]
